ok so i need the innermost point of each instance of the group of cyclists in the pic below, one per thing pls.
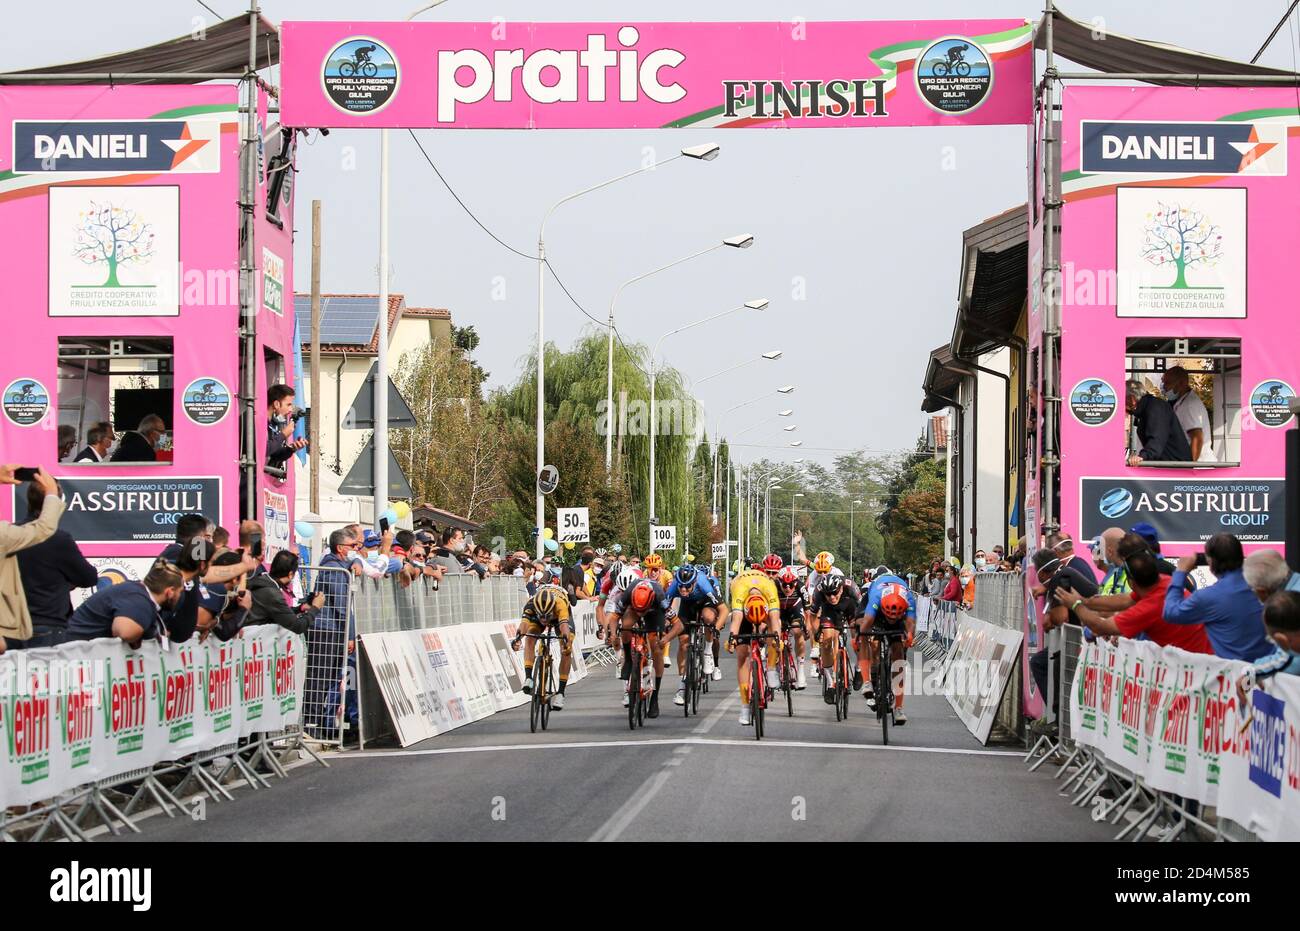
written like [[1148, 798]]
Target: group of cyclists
[[813, 605]]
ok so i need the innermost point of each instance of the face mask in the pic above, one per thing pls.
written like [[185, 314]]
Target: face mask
[[458, 546], [418, 563], [1171, 395], [979, 562]]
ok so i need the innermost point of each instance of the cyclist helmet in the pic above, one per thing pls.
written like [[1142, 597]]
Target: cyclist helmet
[[822, 564], [755, 607], [880, 571], [653, 561], [831, 585], [772, 564], [544, 602], [643, 596], [893, 601], [788, 576], [687, 576], [626, 578]]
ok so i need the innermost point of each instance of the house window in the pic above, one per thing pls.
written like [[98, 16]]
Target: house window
[[116, 398], [1201, 378]]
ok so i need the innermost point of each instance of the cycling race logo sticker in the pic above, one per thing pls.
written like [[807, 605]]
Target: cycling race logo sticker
[[1270, 403], [114, 251], [205, 401], [954, 75], [1093, 402], [26, 402], [360, 75], [1181, 252]]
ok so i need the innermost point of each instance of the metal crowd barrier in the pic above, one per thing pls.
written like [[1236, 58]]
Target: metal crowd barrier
[[385, 605], [329, 699], [1115, 794]]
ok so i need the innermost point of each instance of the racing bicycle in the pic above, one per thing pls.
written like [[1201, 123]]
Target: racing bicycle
[[539, 711], [758, 690], [882, 675]]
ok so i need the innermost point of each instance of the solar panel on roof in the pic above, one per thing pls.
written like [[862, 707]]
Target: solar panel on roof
[[348, 321]]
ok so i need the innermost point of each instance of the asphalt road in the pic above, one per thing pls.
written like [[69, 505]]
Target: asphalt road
[[697, 778]]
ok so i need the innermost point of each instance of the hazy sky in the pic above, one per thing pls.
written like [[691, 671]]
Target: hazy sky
[[867, 218]]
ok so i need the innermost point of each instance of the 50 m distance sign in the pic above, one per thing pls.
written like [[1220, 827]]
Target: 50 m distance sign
[[573, 524]]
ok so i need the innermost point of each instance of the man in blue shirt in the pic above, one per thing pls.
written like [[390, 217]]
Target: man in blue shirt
[[1230, 611], [130, 611]]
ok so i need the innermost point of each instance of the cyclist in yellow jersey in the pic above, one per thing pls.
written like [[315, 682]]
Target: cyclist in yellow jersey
[[752, 591], [549, 607]]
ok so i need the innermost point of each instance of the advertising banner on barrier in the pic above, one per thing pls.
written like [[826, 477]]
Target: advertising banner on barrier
[[437, 679], [976, 672], [1172, 717], [1260, 781], [95, 709], [499, 75], [586, 629]]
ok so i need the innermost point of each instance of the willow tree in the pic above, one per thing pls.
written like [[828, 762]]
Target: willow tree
[[575, 398]]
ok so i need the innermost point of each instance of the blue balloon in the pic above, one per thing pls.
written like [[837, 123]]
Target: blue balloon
[[304, 530], [551, 546], [391, 516]]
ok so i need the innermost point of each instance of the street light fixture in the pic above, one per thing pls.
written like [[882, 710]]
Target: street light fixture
[[706, 152], [741, 241]]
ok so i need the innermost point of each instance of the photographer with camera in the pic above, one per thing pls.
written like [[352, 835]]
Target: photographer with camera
[[281, 417]]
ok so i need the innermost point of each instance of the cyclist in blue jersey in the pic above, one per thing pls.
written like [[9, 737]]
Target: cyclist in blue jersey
[[891, 606], [692, 597]]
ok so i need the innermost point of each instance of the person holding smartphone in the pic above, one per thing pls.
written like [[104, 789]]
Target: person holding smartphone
[[15, 618]]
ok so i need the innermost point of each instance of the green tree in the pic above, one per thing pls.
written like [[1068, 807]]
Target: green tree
[[452, 457]]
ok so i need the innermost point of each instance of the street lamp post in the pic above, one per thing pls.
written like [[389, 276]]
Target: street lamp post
[[797, 494], [757, 304], [851, 504], [770, 356], [380, 413], [717, 427], [743, 241], [706, 152]]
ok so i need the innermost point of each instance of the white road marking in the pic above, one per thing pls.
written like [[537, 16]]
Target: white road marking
[[619, 821], [674, 742]]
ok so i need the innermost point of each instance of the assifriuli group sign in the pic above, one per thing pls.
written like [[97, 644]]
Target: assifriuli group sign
[[508, 75]]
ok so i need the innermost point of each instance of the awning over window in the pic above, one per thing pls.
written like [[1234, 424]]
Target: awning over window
[[222, 49], [1112, 53], [993, 284], [943, 377]]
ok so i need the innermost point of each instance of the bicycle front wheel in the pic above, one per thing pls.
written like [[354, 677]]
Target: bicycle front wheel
[[885, 702], [689, 681], [535, 705], [963, 68], [633, 689], [370, 69], [542, 691]]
